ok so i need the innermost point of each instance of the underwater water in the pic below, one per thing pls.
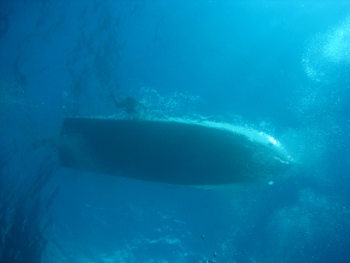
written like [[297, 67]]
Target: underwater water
[[279, 67]]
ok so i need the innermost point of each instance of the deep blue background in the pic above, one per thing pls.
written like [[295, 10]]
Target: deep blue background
[[277, 66]]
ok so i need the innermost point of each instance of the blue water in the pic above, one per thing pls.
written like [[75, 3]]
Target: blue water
[[281, 67]]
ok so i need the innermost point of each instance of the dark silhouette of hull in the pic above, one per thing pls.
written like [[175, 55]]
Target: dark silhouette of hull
[[173, 152]]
